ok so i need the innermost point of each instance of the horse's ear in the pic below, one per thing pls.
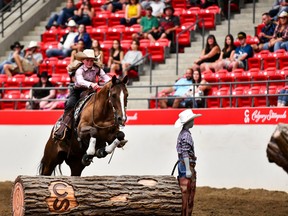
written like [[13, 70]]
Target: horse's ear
[[114, 78], [125, 79]]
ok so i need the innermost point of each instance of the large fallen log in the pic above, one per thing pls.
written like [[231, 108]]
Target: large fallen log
[[96, 195], [277, 149]]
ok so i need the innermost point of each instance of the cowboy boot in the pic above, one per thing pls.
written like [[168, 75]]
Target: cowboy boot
[[65, 124]]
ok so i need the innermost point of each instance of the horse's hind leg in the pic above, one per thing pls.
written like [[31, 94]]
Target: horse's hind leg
[[76, 166]]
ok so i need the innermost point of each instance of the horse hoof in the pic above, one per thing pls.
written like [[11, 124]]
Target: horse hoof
[[87, 159], [122, 143]]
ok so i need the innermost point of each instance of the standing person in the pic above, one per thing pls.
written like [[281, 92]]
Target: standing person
[[65, 44], [86, 77], [64, 16], [186, 160]]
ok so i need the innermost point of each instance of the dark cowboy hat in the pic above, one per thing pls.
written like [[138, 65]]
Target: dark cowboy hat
[[16, 44], [241, 35], [44, 74], [168, 7]]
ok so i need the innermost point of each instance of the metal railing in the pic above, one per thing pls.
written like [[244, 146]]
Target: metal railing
[[13, 8], [230, 85]]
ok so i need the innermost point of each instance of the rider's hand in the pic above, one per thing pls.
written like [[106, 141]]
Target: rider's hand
[[94, 86]]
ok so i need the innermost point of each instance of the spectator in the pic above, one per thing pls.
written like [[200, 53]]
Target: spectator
[[82, 34], [80, 48], [208, 3], [84, 14], [180, 88], [266, 32], [39, 98], [98, 50], [114, 5], [210, 54], [199, 88], [132, 57], [64, 16], [115, 58], [29, 63], [16, 48], [283, 98], [280, 36], [226, 54], [66, 42], [158, 7], [132, 13], [242, 53], [61, 97], [148, 24], [167, 26], [278, 7]]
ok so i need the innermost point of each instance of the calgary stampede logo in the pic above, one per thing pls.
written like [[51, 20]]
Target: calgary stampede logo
[[257, 116]]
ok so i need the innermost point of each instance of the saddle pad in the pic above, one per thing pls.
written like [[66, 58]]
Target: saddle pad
[[79, 107]]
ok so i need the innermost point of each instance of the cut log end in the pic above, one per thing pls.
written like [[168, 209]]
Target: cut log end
[[18, 199]]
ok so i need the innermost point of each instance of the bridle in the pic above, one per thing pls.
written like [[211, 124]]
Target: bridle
[[115, 123]]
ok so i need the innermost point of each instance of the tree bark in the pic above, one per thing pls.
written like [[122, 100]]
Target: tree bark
[[96, 195], [277, 149]]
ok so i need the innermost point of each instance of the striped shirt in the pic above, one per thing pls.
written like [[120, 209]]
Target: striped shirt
[[185, 145]]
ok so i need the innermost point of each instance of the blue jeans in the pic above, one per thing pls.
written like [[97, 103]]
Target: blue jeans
[[283, 98], [60, 19], [2, 65], [58, 52]]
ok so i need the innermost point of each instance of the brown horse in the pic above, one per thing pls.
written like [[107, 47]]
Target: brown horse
[[99, 124]]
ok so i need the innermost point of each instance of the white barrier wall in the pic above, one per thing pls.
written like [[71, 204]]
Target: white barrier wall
[[228, 155]]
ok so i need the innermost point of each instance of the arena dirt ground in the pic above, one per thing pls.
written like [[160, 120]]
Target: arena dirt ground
[[208, 202]]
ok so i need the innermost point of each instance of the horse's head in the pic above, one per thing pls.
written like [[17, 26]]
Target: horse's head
[[118, 97]]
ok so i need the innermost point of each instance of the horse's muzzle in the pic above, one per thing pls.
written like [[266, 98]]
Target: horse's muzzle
[[121, 120]]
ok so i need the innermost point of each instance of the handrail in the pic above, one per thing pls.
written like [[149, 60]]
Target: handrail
[[156, 98], [183, 31], [14, 10]]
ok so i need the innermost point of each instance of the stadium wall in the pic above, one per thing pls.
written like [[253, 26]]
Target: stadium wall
[[230, 145]]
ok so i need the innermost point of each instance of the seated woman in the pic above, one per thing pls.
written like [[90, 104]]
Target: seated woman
[[84, 14], [199, 88], [210, 54], [226, 53], [132, 13], [115, 58], [98, 50], [283, 98], [79, 48]]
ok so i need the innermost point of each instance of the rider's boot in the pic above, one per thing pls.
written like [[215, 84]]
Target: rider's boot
[[65, 124]]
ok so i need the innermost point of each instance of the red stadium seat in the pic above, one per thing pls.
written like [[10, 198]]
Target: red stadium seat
[[61, 66], [209, 20], [115, 32], [48, 64], [269, 61], [50, 35], [157, 53], [213, 101], [188, 16], [257, 100], [259, 28], [129, 31], [242, 100], [29, 81], [254, 62], [282, 62], [184, 39], [10, 100], [179, 4], [15, 81], [114, 19]]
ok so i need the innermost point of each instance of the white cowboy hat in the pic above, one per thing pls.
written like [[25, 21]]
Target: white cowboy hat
[[283, 14], [86, 54], [32, 44], [71, 23], [185, 116]]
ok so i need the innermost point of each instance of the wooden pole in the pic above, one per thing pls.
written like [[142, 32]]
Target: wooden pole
[[96, 195], [277, 149]]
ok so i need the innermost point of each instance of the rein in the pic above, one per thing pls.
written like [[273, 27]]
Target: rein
[[114, 111]]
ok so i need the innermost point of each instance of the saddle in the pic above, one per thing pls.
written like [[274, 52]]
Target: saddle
[[71, 115]]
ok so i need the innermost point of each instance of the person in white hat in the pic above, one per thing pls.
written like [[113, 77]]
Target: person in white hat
[[66, 42], [27, 63], [186, 160], [86, 77]]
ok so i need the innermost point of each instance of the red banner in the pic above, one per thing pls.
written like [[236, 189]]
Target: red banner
[[259, 115]]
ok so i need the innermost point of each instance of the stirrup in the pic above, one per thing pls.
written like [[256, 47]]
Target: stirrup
[[57, 134]]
